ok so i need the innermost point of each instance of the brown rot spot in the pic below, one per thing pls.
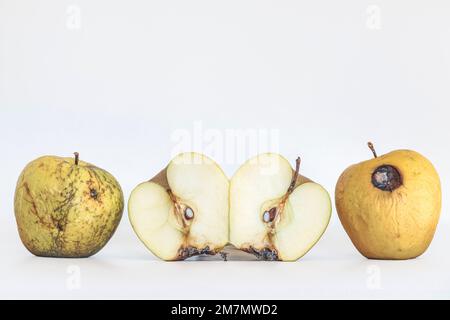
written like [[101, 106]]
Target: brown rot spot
[[264, 254], [188, 213], [94, 194], [269, 216], [187, 252], [60, 225], [386, 178]]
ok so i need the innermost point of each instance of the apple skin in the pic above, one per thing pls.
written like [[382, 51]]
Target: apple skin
[[66, 208], [397, 224]]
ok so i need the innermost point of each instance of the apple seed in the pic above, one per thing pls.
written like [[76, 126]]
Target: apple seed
[[269, 215], [188, 213]]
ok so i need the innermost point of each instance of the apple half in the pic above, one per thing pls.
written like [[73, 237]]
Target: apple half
[[275, 213], [183, 211]]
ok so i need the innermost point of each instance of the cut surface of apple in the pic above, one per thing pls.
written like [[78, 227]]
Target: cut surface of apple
[[183, 211], [275, 213]]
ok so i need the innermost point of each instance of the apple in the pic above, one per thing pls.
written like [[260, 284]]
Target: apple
[[275, 213], [65, 207], [390, 205], [183, 211]]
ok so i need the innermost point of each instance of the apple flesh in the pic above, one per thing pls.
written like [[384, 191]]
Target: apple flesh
[[275, 213], [183, 211]]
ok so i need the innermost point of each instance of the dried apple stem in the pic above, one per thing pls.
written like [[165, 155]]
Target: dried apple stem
[[77, 158], [372, 148]]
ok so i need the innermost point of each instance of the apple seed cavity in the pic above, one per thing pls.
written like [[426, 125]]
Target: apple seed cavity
[[181, 210]]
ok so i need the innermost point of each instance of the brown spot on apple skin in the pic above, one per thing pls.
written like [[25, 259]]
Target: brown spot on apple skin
[[93, 194], [387, 178]]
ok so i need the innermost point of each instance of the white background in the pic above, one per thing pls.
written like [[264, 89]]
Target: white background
[[115, 80]]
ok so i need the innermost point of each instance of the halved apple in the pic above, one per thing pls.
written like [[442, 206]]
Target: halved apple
[[183, 211], [275, 213]]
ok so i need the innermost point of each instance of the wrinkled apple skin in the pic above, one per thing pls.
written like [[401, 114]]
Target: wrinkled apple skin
[[65, 209], [390, 225]]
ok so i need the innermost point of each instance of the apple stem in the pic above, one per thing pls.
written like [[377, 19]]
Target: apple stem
[[77, 157], [372, 148], [294, 178]]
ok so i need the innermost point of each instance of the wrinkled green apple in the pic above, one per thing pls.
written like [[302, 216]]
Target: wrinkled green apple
[[66, 208]]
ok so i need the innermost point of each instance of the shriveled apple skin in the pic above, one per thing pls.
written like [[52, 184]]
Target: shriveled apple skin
[[66, 210], [390, 225]]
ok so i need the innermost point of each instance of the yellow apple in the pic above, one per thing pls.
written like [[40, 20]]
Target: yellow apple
[[390, 205]]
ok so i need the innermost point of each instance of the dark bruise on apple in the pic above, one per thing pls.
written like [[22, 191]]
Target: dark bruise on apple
[[385, 177]]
